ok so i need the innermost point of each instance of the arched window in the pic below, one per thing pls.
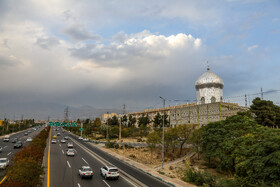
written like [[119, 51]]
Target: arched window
[[213, 99], [202, 100]]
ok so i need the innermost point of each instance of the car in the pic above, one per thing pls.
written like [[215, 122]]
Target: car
[[53, 140], [29, 131], [66, 137], [85, 171], [0, 149], [25, 134], [63, 140], [6, 138], [54, 137], [80, 138], [4, 162], [70, 152], [85, 139], [29, 139], [70, 145], [14, 140], [18, 144], [58, 134], [109, 172]]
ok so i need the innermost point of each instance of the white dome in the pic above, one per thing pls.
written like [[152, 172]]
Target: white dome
[[209, 79]]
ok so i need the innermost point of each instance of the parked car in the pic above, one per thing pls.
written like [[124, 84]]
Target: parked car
[[70, 152], [63, 140], [53, 140], [4, 162], [85, 171], [14, 140], [18, 144], [6, 138], [70, 145], [85, 139], [29, 139], [110, 172]]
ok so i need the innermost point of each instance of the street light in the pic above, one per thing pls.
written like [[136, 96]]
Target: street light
[[107, 136], [162, 152]]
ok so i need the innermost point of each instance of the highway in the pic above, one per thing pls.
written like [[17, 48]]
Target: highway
[[64, 169], [8, 150]]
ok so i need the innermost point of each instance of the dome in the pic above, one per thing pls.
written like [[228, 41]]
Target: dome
[[209, 79]]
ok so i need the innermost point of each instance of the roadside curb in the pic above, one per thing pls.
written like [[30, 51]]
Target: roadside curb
[[45, 164]]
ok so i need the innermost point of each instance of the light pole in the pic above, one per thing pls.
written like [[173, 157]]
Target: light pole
[[162, 152], [107, 130]]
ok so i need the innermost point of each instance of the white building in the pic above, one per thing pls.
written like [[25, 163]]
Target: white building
[[209, 88]]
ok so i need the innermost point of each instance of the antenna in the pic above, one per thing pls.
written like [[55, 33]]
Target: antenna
[[66, 114], [124, 109]]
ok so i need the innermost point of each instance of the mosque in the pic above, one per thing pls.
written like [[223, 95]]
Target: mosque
[[209, 105]]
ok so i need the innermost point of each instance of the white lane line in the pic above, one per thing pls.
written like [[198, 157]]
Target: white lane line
[[62, 151], [9, 153], [60, 145], [68, 164], [129, 182], [106, 183], [85, 161], [79, 185], [5, 147]]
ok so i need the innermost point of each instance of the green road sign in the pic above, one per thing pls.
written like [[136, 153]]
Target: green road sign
[[81, 129], [73, 125]]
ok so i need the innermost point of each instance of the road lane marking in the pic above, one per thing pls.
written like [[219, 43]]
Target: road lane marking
[[5, 147], [3, 179], [49, 154], [85, 161], [79, 185], [60, 145], [129, 182], [62, 151], [68, 164], [106, 183], [9, 153]]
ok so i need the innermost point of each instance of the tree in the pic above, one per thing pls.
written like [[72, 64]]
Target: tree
[[184, 133], [113, 121], [131, 121], [171, 138], [196, 141], [143, 120], [124, 120], [152, 140], [96, 125], [157, 120]]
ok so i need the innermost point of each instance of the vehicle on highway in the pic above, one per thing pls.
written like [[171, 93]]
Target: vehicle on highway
[[6, 138], [4, 162], [85, 139], [14, 140], [25, 134], [70, 152], [18, 144], [0, 149], [53, 140], [109, 172], [85, 171], [29, 139], [70, 145], [54, 137], [66, 137], [80, 138], [29, 131], [58, 134], [63, 140]]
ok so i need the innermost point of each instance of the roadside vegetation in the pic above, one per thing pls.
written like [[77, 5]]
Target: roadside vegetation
[[26, 168], [8, 127]]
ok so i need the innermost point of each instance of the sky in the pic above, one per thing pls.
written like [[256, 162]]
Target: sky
[[106, 54]]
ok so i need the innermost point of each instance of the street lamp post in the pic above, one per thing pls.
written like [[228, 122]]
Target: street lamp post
[[162, 152], [107, 130]]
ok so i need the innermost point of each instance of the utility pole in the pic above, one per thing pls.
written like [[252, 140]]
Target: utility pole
[[120, 126], [162, 152], [81, 129], [107, 129], [66, 111], [245, 100], [261, 93]]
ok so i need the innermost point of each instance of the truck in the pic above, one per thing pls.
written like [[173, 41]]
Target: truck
[[6, 138]]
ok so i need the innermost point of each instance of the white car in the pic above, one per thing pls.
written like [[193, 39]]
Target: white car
[[70, 145], [85, 139], [110, 172], [29, 139], [80, 138], [53, 140], [4, 162], [70, 152], [6, 138], [63, 140], [85, 171], [66, 137]]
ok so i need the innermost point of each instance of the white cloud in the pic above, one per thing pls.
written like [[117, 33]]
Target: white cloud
[[253, 47]]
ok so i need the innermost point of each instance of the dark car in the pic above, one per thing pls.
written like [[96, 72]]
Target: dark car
[[25, 134], [14, 140], [18, 144]]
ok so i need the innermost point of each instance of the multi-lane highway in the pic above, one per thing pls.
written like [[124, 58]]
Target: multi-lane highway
[[63, 169], [8, 150]]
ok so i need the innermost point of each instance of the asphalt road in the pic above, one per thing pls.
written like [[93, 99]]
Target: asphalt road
[[8, 150], [64, 169]]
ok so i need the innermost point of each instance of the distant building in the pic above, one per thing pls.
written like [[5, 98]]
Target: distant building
[[105, 117]]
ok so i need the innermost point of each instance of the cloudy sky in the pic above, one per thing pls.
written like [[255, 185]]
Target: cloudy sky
[[108, 53]]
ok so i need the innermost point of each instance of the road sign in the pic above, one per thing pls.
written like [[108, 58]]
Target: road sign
[[73, 125], [81, 129]]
